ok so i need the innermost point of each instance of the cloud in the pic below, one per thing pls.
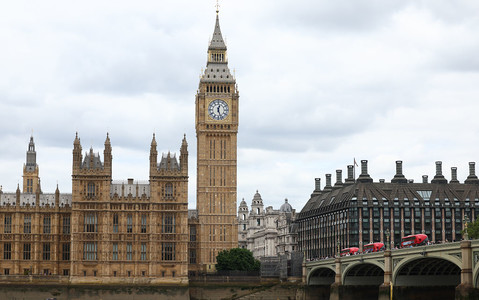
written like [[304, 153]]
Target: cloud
[[320, 83]]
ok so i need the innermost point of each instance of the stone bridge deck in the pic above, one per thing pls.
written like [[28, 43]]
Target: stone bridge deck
[[452, 264]]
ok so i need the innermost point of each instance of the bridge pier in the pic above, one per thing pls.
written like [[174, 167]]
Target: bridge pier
[[466, 290], [385, 289], [337, 287]]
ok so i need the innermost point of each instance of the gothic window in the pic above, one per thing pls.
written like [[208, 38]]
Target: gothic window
[[91, 190], [66, 225], [115, 223], [129, 223], [8, 224], [47, 221], [89, 251], [168, 223], [66, 251], [143, 251], [143, 223], [168, 251], [168, 190], [192, 256], [115, 251], [244, 217], [90, 222], [257, 210], [27, 224], [27, 248], [129, 251], [46, 251], [192, 234], [7, 251]]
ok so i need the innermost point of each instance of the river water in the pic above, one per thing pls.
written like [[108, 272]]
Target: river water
[[211, 292]]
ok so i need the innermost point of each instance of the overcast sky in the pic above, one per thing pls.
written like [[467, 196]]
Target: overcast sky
[[320, 82]]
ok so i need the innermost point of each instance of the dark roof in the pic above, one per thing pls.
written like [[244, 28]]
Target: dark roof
[[370, 194]]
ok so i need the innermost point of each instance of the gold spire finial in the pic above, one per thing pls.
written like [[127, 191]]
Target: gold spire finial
[[217, 6]]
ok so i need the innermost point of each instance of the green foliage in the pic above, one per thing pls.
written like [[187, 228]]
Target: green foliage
[[237, 259], [473, 229]]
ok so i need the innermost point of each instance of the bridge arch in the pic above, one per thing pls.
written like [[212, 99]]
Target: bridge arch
[[323, 275], [369, 272], [475, 274], [428, 270]]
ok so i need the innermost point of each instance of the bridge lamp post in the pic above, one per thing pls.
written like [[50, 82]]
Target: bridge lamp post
[[466, 220], [388, 234], [339, 250]]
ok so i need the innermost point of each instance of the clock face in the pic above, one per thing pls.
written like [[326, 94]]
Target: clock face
[[218, 109]]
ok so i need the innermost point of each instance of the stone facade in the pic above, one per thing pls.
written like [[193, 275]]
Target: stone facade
[[128, 231], [217, 116], [105, 231], [267, 232]]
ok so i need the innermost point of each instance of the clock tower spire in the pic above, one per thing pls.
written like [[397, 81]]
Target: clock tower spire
[[216, 132]]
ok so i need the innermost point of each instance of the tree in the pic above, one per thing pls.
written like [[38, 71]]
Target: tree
[[237, 259], [472, 229]]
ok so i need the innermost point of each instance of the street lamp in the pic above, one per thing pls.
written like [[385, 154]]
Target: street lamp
[[339, 248], [466, 220], [388, 234]]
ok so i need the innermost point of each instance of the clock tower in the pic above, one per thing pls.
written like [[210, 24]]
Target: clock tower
[[216, 133]]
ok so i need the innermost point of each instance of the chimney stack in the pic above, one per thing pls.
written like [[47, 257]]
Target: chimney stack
[[339, 178], [472, 178], [350, 179], [439, 178], [399, 177], [364, 177], [328, 186], [454, 175], [424, 179], [317, 184]]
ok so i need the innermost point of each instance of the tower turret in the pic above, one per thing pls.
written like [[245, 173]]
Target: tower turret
[[31, 170], [153, 156], [184, 156], [77, 154], [107, 155]]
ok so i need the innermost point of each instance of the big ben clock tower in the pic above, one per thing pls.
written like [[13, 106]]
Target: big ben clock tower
[[216, 133]]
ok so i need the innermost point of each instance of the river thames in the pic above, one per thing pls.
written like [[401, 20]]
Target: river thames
[[212, 292]]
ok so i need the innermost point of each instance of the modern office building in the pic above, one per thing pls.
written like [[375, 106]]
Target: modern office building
[[358, 211]]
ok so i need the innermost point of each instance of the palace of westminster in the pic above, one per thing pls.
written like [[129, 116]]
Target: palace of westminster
[[108, 231]]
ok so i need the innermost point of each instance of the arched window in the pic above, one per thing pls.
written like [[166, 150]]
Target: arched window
[[244, 217], [169, 190], [257, 210], [91, 189]]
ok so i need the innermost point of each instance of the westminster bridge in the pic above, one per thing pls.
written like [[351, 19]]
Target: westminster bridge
[[451, 264]]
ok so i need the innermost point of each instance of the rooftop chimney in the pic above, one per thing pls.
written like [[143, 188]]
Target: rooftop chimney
[[317, 184], [472, 178], [454, 175], [364, 177], [328, 183], [317, 187], [424, 179], [350, 179], [339, 178], [439, 178], [382, 181], [399, 177]]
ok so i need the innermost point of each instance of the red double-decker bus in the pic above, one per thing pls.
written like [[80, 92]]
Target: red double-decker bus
[[373, 247], [414, 240], [349, 251]]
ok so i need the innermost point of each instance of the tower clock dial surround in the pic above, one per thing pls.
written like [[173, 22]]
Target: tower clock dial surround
[[218, 109]]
